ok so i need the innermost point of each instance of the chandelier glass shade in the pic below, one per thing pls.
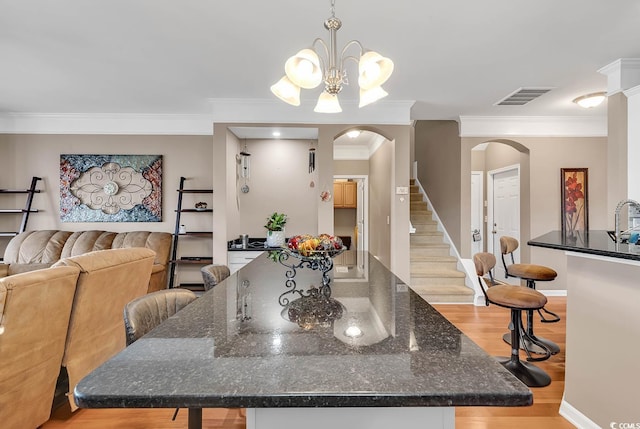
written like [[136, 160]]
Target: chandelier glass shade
[[309, 68]]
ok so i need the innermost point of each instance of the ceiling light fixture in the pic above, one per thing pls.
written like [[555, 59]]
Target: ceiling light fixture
[[353, 134], [591, 100], [308, 69]]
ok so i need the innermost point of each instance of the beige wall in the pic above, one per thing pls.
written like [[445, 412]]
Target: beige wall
[[380, 185], [603, 325], [445, 161], [617, 153], [437, 147], [29, 155], [280, 182], [397, 161], [209, 161], [355, 167], [547, 155]]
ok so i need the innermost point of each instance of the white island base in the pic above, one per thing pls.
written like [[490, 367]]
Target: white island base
[[351, 418]]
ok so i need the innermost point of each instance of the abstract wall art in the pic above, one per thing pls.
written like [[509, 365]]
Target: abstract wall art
[[111, 188]]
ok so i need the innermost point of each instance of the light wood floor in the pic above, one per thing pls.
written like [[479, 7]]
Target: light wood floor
[[484, 325]]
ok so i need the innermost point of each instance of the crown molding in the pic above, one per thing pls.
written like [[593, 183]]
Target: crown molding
[[622, 74], [230, 110], [105, 123], [632, 91], [533, 126]]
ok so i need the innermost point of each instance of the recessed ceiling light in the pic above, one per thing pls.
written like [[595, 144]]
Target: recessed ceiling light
[[591, 100], [276, 133], [353, 133]]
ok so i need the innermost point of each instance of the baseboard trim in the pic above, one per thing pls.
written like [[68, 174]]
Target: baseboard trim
[[553, 292], [575, 417]]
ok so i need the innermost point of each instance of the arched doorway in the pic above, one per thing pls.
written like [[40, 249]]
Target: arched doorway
[[499, 194], [363, 163]]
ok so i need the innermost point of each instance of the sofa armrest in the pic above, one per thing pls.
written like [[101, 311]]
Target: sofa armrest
[[4, 270]]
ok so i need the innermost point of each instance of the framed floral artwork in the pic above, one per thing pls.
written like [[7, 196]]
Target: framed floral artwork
[[574, 200], [111, 188]]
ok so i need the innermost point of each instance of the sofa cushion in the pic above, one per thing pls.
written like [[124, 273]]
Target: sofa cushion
[[81, 242], [24, 268], [159, 242], [36, 247]]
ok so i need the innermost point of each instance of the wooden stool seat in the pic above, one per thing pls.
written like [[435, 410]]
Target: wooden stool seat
[[520, 297], [532, 272]]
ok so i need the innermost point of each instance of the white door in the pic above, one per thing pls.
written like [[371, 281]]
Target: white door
[[477, 199], [505, 202]]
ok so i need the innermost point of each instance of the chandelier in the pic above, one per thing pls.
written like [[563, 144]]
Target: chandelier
[[310, 67]]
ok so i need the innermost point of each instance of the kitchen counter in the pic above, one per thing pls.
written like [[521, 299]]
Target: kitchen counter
[[594, 242], [602, 324], [238, 345], [255, 245]]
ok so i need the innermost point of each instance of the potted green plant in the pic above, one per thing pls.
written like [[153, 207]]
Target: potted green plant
[[275, 229]]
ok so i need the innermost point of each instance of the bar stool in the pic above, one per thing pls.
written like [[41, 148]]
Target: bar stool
[[517, 299], [530, 273]]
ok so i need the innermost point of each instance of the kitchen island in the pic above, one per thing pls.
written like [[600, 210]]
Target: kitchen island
[[603, 325], [375, 354]]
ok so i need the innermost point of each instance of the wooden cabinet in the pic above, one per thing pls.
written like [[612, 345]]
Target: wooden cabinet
[[345, 195]]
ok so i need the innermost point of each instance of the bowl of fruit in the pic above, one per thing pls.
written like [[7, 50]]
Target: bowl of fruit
[[320, 246]]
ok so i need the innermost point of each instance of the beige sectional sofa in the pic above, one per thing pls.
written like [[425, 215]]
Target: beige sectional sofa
[[34, 318], [33, 250], [68, 316]]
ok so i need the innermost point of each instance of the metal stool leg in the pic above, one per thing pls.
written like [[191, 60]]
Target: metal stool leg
[[532, 343], [528, 373]]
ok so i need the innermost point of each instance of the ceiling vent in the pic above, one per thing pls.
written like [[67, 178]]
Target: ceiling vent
[[522, 96]]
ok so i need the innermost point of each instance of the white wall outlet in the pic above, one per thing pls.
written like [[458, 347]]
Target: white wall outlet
[[402, 190]]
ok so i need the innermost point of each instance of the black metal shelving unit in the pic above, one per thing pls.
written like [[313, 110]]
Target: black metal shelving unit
[[25, 212], [176, 261]]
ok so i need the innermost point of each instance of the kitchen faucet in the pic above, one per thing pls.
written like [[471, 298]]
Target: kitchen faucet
[[617, 216]]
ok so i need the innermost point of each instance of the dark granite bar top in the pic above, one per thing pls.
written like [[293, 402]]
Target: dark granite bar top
[[245, 343], [594, 242]]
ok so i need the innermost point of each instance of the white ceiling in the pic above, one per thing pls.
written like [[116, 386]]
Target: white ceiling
[[452, 57]]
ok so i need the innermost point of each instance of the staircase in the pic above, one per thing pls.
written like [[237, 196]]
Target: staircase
[[434, 273]]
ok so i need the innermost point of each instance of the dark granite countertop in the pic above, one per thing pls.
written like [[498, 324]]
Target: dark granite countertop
[[234, 347], [594, 242], [255, 245]]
